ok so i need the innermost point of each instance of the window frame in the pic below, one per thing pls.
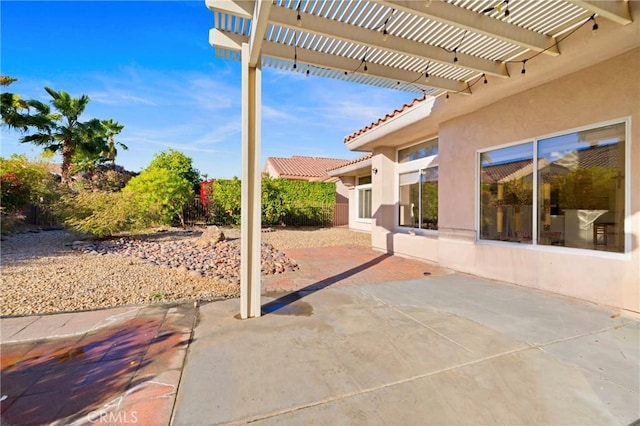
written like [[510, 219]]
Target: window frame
[[358, 188], [552, 248], [408, 167]]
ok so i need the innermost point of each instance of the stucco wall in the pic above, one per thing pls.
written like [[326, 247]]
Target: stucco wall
[[606, 91]]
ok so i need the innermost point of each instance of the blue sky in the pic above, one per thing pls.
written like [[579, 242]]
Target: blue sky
[[148, 65]]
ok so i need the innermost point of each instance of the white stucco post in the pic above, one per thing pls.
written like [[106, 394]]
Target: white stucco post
[[250, 257]]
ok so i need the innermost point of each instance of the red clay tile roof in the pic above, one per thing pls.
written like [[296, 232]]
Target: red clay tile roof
[[384, 119], [348, 163], [304, 168]]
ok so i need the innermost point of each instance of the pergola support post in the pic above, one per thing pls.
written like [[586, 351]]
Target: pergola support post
[[250, 217]]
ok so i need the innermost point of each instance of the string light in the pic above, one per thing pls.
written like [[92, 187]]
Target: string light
[[455, 55], [446, 99], [295, 51], [299, 18], [427, 77], [485, 78], [385, 33], [594, 28]]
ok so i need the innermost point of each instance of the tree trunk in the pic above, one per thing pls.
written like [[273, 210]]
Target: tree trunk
[[67, 155]]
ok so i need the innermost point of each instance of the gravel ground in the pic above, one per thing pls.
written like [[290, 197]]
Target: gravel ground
[[42, 273]]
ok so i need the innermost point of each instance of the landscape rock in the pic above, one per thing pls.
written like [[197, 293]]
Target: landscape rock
[[211, 236]]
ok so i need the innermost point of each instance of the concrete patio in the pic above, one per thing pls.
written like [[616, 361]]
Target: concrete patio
[[449, 349]]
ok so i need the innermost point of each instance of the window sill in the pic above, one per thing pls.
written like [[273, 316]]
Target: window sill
[[558, 249]]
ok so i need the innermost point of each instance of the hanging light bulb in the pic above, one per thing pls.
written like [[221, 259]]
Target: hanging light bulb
[[385, 35], [298, 17], [524, 71], [446, 99], [366, 70], [427, 77], [307, 73], [455, 56], [485, 78], [594, 28]]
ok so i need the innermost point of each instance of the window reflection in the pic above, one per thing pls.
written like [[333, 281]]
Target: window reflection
[[581, 195], [506, 193]]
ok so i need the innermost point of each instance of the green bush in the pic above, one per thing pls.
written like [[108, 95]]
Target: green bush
[[178, 163], [160, 190], [23, 182], [226, 200], [26, 181]]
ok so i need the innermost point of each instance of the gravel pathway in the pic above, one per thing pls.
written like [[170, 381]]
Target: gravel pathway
[[45, 272]]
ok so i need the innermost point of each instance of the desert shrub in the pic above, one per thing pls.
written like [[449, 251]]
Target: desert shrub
[[27, 181], [160, 190], [22, 182], [104, 178], [106, 213], [15, 193]]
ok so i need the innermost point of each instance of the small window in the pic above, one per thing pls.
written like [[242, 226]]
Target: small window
[[364, 197], [418, 201], [421, 150]]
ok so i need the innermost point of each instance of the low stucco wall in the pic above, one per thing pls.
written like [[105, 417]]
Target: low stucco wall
[[606, 91]]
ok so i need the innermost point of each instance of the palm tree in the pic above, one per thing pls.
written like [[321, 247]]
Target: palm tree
[[61, 131], [112, 128]]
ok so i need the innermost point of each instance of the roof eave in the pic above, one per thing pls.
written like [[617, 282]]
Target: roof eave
[[413, 115], [351, 169]]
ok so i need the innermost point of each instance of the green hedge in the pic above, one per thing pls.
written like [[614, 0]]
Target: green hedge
[[282, 200]]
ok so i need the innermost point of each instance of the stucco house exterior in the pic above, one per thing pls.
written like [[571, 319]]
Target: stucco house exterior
[[462, 190], [505, 87]]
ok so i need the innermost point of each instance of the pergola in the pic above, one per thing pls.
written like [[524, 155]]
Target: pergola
[[434, 48]]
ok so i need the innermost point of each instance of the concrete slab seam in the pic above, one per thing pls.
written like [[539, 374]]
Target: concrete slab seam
[[19, 331], [196, 310], [577, 336], [418, 321], [374, 388]]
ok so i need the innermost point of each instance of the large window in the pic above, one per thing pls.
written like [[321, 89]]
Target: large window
[[578, 189], [418, 186], [364, 197], [506, 194]]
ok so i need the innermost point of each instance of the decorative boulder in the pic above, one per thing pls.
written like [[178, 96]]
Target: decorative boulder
[[211, 235]]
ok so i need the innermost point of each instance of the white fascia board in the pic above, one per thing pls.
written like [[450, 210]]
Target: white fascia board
[[226, 40], [242, 8], [350, 168], [413, 115]]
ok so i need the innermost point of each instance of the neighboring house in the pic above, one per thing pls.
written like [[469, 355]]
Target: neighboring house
[[458, 186], [310, 169]]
